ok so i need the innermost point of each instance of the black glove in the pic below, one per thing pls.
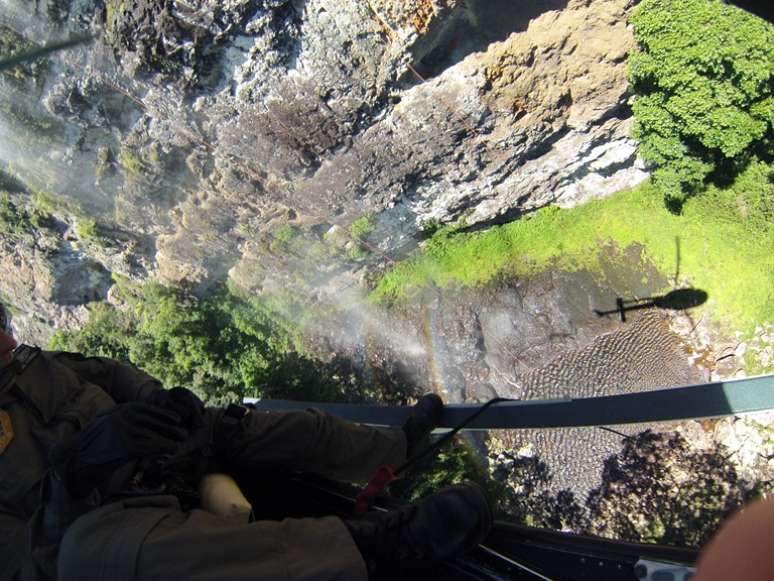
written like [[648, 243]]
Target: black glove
[[183, 402], [127, 432]]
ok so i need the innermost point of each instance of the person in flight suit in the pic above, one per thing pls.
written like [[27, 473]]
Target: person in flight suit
[[75, 429]]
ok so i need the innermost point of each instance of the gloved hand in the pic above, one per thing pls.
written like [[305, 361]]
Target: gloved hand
[[127, 432], [183, 402]]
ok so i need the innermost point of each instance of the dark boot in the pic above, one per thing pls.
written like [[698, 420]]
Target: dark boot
[[424, 418], [438, 527]]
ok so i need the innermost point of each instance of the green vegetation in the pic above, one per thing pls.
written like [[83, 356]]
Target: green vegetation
[[529, 499], [86, 229], [10, 183], [704, 80], [282, 237], [31, 120], [132, 164], [17, 220], [11, 44], [46, 205], [138, 163], [16, 107], [224, 346], [122, 32], [430, 226], [658, 488], [456, 462], [104, 165], [358, 232], [759, 356], [112, 10], [356, 252], [13, 219], [362, 227], [726, 240]]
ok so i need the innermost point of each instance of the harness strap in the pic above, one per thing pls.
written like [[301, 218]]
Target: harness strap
[[23, 355]]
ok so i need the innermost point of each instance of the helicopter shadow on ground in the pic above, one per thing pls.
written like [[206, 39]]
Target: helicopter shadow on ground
[[675, 300]]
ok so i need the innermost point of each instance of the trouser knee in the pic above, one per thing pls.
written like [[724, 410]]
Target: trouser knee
[[72, 564], [105, 543]]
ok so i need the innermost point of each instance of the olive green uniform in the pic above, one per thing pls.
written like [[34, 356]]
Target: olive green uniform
[[151, 537]]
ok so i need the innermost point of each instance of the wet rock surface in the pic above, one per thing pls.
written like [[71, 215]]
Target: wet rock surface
[[195, 121]]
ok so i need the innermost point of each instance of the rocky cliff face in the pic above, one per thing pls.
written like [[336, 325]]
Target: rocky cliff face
[[196, 131]]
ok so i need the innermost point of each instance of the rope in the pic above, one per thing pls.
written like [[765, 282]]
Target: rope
[[448, 436], [387, 474]]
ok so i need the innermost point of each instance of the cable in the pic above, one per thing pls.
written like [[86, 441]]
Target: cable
[[449, 435], [514, 563], [44, 50]]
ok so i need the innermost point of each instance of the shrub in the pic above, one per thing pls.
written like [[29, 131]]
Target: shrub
[[18, 220], [456, 462], [10, 183], [86, 229], [704, 80], [362, 227], [14, 220], [430, 226], [133, 165], [356, 252], [12, 43], [282, 237]]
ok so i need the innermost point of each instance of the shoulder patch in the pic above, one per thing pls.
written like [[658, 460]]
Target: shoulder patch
[[6, 430]]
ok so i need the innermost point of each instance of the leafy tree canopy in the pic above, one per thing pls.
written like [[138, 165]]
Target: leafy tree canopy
[[661, 489], [224, 346], [704, 80]]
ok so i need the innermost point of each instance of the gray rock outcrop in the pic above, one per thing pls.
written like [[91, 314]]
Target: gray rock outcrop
[[208, 126]]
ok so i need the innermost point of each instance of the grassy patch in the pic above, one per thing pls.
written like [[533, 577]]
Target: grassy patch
[[456, 462], [45, 205], [86, 229], [13, 219], [726, 240], [356, 252]]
